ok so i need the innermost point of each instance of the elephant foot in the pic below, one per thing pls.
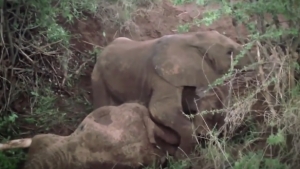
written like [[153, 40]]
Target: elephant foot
[[183, 156], [180, 155], [183, 152]]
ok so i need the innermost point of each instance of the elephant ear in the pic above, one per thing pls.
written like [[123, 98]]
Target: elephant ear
[[180, 64]]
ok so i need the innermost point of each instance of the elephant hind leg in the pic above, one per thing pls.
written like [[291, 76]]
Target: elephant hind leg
[[165, 108], [150, 126], [100, 94], [153, 130], [167, 135]]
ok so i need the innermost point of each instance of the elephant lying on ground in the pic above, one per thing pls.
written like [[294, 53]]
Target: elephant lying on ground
[[44, 147], [155, 72], [109, 137]]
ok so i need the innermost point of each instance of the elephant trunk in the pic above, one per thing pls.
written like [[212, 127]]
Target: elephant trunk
[[54, 157]]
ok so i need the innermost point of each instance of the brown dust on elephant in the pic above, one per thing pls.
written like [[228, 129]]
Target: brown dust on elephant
[[155, 72], [109, 137]]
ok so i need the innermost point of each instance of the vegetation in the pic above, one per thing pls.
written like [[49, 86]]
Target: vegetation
[[267, 110], [40, 70]]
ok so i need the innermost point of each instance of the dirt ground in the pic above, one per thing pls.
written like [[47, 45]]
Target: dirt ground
[[161, 20]]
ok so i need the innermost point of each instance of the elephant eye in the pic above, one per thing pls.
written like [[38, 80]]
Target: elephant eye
[[229, 52]]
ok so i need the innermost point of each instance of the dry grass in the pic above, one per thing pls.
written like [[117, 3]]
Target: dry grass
[[120, 13], [262, 116]]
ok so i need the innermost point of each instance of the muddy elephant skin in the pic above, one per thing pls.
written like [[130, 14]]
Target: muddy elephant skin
[[46, 148], [155, 72], [109, 137]]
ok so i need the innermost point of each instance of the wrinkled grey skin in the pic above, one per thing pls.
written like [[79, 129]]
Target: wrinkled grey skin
[[155, 72], [109, 137], [53, 151]]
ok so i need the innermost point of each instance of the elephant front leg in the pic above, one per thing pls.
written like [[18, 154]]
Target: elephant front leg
[[165, 108], [99, 90], [153, 129], [150, 126]]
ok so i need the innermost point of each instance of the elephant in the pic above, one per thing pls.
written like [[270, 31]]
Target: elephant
[[109, 137], [155, 72], [46, 143]]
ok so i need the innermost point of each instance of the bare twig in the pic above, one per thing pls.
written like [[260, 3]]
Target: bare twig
[[9, 35], [93, 44], [82, 66], [276, 21], [24, 54], [261, 23], [266, 90]]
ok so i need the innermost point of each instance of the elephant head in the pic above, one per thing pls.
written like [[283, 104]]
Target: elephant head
[[197, 58], [220, 51]]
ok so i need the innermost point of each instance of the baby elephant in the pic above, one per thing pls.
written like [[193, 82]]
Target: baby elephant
[[109, 137]]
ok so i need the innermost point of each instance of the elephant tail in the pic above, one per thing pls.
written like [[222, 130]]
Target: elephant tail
[[19, 143]]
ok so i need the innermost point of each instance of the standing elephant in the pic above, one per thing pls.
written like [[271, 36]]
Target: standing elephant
[[155, 72], [109, 137]]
